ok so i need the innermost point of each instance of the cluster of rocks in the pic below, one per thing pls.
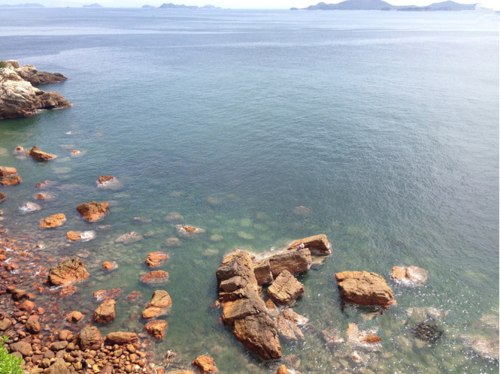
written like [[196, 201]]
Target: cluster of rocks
[[18, 97]]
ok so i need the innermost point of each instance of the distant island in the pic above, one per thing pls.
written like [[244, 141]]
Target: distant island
[[95, 5], [28, 5], [382, 5], [176, 6]]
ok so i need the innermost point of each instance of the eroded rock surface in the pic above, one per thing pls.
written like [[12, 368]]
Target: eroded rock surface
[[159, 304], [68, 272], [317, 244], [93, 211], [285, 288], [155, 259]]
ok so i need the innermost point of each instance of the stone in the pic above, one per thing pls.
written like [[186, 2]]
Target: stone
[[155, 259], [109, 265], [40, 155], [364, 288], [74, 316], [121, 338], [89, 338], [103, 295], [262, 270], [242, 308], [134, 296], [6, 171], [69, 271], [158, 305], [205, 364], [363, 339], [156, 329], [58, 346], [30, 207], [290, 315], [105, 312], [93, 211], [155, 277], [129, 238], [5, 324], [22, 347], [2, 197], [285, 288], [107, 181], [294, 261], [411, 275], [53, 221], [282, 370], [188, 230], [58, 367], [285, 329], [30, 74], [11, 181], [317, 244], [80, 236], [33, 325], [238, 263], [258, 334], [44, 184], [27, 306], [43, 196]]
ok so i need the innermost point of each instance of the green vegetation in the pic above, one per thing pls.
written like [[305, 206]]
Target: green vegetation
[[9, 364], [3, 64]]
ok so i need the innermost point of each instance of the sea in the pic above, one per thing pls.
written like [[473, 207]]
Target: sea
[[378, 129]]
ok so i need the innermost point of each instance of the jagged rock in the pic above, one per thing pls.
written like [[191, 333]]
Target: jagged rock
[[6, 171], [412, 275], [317, 244], [157, 329], [27, 306], [364, 288], [294, 261], [121, 338], [262, 270], [205, 364], [155, 259], [40, 155], [285, 288], [129, 238], [22, 347], [30, 74], [272, 310], [89, 338], [11, 181], [93, 211], [105, 312], [173, 216], [258, 334], [159, 305], [242, 308], [53, 221], [80, 236], [288, 331], [68, 272]]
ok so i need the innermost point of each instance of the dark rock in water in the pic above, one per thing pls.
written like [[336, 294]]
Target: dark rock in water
[[430, 333]]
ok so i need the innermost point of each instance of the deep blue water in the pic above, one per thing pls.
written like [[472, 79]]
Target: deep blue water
[[383, 124]]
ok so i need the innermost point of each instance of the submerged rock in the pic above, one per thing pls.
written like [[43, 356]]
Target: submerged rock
[[364, 288], [2, 197], [93, 211], [44, 196], [108, 182], [155, 259], [82, 236], [173, 216], [156, 329], [68, 272], [29, 207], [411, 275], [172, 242], [40, 155], [188, 230], [155, 277], [53, 221], [103, 295], [129, 238]]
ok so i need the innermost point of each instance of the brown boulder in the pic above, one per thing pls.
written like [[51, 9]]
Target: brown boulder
[[282, 370], [156, 258], [258, 333], [22, 347], [295, 262], [205, 364], [68, 272], [108, 182], [33, 325], [242, 308], [262, 270], [58, 367], [188, 230], [285, 288], [121, 338], [317, 244], [409, 275], [6, 171], [5, 324], [93, 211], [11, 181], [105, 312], [239, 264], [159, 305], [27, 306], [74, 316], [39, 155], [89, 338], [157, 329], [155, 277], [364, 288], [53, 221]]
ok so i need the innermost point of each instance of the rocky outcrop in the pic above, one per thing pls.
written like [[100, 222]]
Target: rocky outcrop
[[105, 312], [53, 221], [159, 305], [93, 211], [205, 364], [317, 244], [40, 155], [30, 74], [155, 259], [364, 288], [285, 288], [262, 270], [68, 272], [18, 97], [294, 261], [258, 334], [411, 275]]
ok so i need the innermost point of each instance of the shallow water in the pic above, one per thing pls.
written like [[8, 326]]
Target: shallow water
[[384, 125]]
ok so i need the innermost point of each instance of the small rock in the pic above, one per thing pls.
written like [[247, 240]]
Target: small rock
[[74, 316], [93, 211], [155, 259], [103, 295], [173, 216], [68, 272], [82, 236], [39, 155], [411, 275], [105, 313], [6, 171], [172, 242], [282, 370], [155, 277], [53, 221], [158, 305], [11, 181], [109, 265], [157, 329], [205, 364]]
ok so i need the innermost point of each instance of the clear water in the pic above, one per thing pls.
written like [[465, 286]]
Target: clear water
[[383, 124]]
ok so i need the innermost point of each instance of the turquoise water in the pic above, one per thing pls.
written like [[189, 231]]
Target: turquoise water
[[384, 125]]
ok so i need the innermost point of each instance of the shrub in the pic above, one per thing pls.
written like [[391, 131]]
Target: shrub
[[3, 64], [9, 364]]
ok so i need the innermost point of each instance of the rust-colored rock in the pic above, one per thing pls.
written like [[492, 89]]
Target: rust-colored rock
[[286, 331], [11, 181], [134, 296], [108, 182], [43, 196], [412, 275], [105, 312], [80, 236], [22, 347], [156, 329], [44, 184], [282, 370], [93, 211], [205, 364], [74, 316], [67, 290], [262, 270], [188, 230], [159, 305], [317, 244], [295, 262], [6, 171], [89, 338], [27, 306], [363, 339], [68, 272], [53, 221], [109, 265], [285, 288], [155, 277], [2, 197], [33, 325], [371, 339], [103, 295], [121, 338], [39, 155], [258, 333], [242, 308], [155, 259], [364, 288]]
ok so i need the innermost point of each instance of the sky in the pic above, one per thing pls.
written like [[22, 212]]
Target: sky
[[240, 4]]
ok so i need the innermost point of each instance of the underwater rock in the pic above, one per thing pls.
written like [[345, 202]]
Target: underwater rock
[[282, 370], [188, 230], [205, 364], [6, 171], [301, 211], [173, 242], [295, 262], [363, 339], [173, 216], [105, 312], [287, 331], [53, 221], [364, 288], [93, 211], [285, 288], [103, 295], [82, 236], [155, 259], [411, 275], [68, 272], [317, 244], [11, 181], [332, 337], [121, 338], [158, 305], [44, 196], [108, 182], [155, 277], [296, 318], [40, 155], [129, 238], [156, 329], [44, 184], [30, 207], [134, 296], [109, 265]]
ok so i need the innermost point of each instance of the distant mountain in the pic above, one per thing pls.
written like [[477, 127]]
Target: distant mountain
[[95, 5], [382, 5], [30, 5], [176, 6]]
